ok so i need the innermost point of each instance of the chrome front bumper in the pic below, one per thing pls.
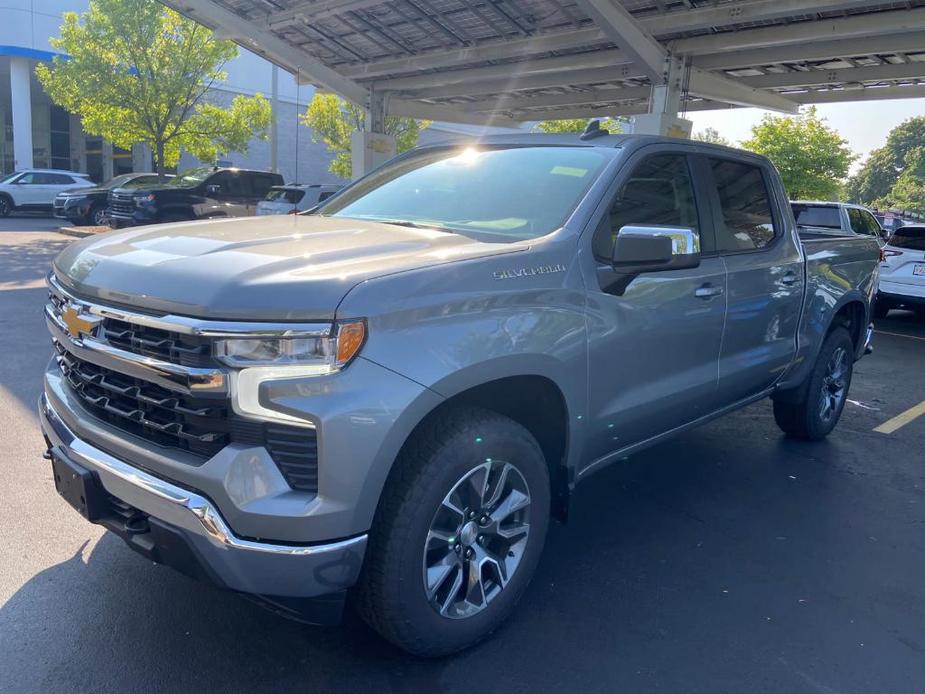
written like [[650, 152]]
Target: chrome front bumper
[[240, 564]]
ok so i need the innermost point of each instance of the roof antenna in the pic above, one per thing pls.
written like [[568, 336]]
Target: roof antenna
[[594, 129]]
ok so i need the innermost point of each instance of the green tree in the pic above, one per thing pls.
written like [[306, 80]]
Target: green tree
[[908, 193], [884, 167], [712, 136], [812, 157], [138, 72], [334, 120], [576, 125]]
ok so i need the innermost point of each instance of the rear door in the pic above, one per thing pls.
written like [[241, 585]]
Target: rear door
[[226, 195], [765, 276], [258, 185], [654, 346]]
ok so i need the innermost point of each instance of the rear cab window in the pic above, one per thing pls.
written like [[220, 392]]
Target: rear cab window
[[290, 195], [822, 216]]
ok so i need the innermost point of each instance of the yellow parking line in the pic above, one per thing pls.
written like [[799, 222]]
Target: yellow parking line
[[911, 337], [901, 420]]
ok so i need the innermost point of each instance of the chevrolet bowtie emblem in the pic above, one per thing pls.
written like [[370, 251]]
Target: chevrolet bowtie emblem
[[78, 324]]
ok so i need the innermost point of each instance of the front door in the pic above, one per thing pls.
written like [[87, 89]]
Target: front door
[[655, 344], [764, 265]]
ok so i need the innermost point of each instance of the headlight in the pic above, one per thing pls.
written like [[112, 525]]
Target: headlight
[[323, 353]]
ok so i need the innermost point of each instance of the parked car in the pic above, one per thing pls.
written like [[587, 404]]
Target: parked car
[[902, 271], [35, 189], [88, 205], [295, 198], [201, 193], [394, 394], [889, 221], [837, 218]]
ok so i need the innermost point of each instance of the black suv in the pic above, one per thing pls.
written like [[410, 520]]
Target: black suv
[[88, 205], [199, 193]]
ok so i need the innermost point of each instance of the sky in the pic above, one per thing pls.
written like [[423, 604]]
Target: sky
[[864, 124]]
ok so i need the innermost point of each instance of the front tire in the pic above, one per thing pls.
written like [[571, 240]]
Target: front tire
[[99, 216], [458, 533], [814, 412], [6, 205]]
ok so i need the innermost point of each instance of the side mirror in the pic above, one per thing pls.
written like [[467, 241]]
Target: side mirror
[[213, 189], [639, 249]]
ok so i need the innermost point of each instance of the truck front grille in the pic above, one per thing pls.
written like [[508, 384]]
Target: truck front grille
[[121, 205], [200, 426], [173, 347]]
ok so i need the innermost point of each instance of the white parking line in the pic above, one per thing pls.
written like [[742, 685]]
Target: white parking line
[[901, 420], [911, 337]]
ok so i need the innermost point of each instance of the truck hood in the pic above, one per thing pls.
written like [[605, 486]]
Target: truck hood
[[253, 268]]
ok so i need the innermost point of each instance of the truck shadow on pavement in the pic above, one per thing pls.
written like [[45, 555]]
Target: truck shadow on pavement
[[730, 555]]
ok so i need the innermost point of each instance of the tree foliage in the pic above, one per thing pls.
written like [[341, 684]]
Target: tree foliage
[[892, 174], [139, 72], [334, 120], [812, 157], [712, 136], [576, 125]]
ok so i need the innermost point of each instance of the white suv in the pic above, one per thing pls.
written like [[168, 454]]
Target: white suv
[[35, 189]]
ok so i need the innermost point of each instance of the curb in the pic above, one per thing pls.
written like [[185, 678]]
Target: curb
[[79, 233]]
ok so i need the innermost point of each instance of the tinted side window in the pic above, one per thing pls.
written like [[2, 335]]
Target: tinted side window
[[261, 184], [873, 226], [857, 222], [230, 184], [657, 193], [29, 179], [60, 180], [325, 195], [746, 222]]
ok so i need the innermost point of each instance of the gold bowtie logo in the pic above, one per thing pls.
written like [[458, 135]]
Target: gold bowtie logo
[[77, 324]]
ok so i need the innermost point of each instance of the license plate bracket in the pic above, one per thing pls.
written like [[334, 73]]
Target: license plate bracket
[[918, 269], [78, 486]]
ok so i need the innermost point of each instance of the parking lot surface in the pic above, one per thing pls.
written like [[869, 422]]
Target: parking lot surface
[[728, 560]]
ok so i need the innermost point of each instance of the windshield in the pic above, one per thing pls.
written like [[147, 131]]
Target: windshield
[[9, 177], [505, 194], [191, 177], [825, 216], [911, 238]]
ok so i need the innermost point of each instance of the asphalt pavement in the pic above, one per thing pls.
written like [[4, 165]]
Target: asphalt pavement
[[729, 560]]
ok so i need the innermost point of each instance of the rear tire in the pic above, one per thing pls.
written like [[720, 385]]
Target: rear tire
[[98, 216], [813, 412], [881, 309], [447, 558]]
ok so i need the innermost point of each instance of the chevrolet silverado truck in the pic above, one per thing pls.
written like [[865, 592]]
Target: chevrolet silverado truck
[[201, 193], [386, 400]]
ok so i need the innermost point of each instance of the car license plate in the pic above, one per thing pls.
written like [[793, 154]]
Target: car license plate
[[79, 487], [918, 269]]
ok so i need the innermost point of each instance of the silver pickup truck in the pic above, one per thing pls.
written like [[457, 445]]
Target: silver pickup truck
[[388, 398]]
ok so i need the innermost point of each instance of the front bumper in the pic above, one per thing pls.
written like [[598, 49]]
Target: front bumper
[[187, 531]]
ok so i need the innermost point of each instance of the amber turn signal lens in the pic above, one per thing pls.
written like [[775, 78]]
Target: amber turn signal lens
[[350, 337]]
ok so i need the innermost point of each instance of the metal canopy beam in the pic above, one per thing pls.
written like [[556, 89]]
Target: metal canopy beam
[[649, 55], [861, 25], [592, 96], [591, 59], [600, 75], [316, 9], [712, 86], [913, 42], [272, 47], [623, 29], [672, 22], [872, 73]]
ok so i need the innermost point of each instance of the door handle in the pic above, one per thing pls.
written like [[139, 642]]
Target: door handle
[[789, 278], [708, 291]]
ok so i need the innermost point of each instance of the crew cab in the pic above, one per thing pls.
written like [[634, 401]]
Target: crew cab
[[201, 193], [394, 394]]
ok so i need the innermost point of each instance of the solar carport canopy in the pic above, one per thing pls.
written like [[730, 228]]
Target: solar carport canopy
[[508, 61]]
